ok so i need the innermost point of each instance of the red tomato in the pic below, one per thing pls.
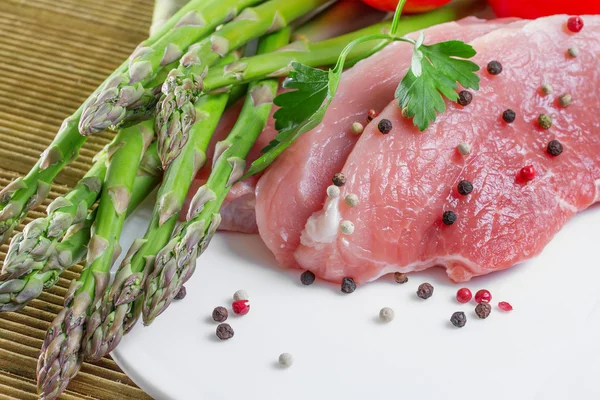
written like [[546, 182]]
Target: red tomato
[[541, 8], [411, 6]]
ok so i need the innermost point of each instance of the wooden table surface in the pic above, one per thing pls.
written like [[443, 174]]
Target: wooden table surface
[[53, 54]]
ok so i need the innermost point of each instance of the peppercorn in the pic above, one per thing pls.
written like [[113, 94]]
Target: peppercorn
[[458, 319], [307, 278], [286, 360], [371, 115], [348, 285], [449, 217], [425, 290], [240, 295], [565, 100], [494, 68], [400, 277], [357, 128], [405, 113], [240, 307], [386, 314], [483, 310], [464, 148], [181, 293], [465, 98], [464, 187], [555, 148], [527, 173], [385, 126], [333, 191], [224, 331], [575, 24], [220, 314], [509, 116], [339, 179], [351, 200], [545, 121], [347, 227], [573, 52], [547, 88]]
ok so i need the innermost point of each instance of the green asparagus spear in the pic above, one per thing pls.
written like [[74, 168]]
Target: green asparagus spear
[[175, 110], [127, 90], [318, 54], [163, 11], [62, 353], [17, 292], [175, 263]]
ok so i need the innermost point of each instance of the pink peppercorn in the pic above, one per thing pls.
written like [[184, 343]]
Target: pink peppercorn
[[483, 295], [575, 24], [464, 295], [240, 307], [504, 306]]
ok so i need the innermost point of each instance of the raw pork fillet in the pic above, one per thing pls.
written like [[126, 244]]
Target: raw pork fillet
[[406, 180], [292, 188]]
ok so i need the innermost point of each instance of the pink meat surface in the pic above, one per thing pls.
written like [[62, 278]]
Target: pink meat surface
[[292, 188], [406, 180]]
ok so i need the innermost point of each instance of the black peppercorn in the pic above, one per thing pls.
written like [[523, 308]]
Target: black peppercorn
[[348, 285], [458, 319], [425, 290], [339, 179], [483, 310], [464, 188], [449, 217], [385, 126], [220, 314], [494, 67], [400, 277], [555, 148], [224, 331], [465, 98], [307, 278], [181, 294], [509, 116]]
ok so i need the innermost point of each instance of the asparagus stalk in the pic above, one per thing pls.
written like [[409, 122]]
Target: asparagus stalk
[[319, 54], [17, 292], [342, 17], [175, 110], [163, 11], [26, 193], [128, 90], [62, 354], [121, 305], [175, 263]]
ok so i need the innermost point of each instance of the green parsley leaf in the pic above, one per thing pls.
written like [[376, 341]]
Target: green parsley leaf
[[300, 110], [435, 71]]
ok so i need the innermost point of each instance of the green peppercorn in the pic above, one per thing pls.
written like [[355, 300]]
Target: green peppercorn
[[545, 121], [565, 100]]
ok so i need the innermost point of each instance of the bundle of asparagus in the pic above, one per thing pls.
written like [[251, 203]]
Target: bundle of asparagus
[[165, 102]]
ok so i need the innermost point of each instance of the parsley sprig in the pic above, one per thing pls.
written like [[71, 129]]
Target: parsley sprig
[[434, 73]]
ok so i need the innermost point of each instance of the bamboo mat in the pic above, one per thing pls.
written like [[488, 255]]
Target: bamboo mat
[[53, 54]]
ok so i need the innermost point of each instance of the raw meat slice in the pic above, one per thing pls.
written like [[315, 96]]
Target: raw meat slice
[[406, 180], [292, 188]]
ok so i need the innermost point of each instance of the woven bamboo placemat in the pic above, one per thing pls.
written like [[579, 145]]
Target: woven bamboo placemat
[[53, 54]]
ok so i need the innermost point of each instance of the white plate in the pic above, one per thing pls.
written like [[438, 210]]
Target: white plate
[[547, 348]]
